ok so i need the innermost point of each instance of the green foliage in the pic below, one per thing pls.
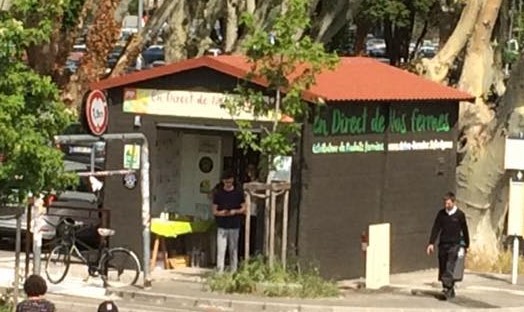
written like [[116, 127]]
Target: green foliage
[[395, 11], [6, 300], [256, 277], [289, 66], [72, 9], [42, 17], [31, 113], [133, 7]]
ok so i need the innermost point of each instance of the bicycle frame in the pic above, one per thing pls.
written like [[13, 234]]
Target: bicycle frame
[[74, 251], [71, 243], [69, 247]]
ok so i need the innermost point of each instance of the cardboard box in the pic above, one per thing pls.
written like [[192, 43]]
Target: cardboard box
[[181, 261]]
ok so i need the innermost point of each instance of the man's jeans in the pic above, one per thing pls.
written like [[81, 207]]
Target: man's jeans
[[229, 238]]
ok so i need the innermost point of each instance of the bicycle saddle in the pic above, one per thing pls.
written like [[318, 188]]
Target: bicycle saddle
[[105, 232]]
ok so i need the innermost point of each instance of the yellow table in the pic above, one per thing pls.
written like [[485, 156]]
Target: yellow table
[[172, 229]]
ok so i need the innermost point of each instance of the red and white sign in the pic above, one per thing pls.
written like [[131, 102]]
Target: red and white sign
[[97, 112]]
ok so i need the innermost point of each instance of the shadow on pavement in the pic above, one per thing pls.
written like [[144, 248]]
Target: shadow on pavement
[[471, 303], [429, 293], [491, 277], [461, 301]]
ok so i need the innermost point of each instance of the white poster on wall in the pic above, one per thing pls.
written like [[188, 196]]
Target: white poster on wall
[[200, 172], [281, 169]]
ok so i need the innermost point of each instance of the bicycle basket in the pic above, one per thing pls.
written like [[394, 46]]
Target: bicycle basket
[[64, 229]]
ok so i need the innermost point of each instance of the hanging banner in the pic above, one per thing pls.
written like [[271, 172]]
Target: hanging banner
[[183, 104]]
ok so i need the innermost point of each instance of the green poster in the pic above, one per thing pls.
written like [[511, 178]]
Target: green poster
[[131, 156]]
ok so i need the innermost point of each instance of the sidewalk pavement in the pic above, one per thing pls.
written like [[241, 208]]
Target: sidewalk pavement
[[415, 291], [408, 292]]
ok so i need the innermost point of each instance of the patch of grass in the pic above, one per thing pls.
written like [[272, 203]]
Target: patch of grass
[[5, 308], [6, 301], [256, 277], [480, 262]]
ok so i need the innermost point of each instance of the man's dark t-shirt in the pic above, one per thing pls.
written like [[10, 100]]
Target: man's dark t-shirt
[[37, 305], [228, 200]]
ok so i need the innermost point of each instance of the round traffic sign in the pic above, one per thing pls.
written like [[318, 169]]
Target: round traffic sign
[[97, 113]]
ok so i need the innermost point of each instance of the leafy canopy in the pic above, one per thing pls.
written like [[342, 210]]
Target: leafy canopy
[[395, 11], [30, 109], [289, 66]]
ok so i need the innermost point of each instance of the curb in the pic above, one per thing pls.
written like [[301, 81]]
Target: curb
[[265, 304], [64, 303]]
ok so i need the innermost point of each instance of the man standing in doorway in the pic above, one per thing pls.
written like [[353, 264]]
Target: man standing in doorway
[[228, 209], [451, 228]]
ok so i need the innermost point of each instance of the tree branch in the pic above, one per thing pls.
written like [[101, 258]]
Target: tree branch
[[437, 68], [334, 15], [150, 30]]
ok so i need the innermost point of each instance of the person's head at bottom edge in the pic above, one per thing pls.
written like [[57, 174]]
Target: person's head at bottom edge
[[35, 286], [107, 306]]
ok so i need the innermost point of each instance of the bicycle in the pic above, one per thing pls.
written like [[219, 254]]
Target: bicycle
[[117, 266]]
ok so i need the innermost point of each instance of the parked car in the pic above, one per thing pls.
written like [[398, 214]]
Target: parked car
[[153, 53], [78, 203]]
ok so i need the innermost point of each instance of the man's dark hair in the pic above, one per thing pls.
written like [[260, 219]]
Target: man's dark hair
[[449, 195], [107, 306], [35, 286], [227, 174]]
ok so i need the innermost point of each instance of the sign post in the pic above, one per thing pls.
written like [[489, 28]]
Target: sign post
[[514, 161]]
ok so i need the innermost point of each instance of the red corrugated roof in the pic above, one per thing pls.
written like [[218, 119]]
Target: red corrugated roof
[[354, 79]]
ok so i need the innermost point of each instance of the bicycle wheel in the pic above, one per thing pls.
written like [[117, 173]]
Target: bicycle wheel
[[57, 264], [119, 267]]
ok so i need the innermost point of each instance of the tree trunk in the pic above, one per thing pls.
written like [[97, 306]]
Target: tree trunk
[[250, 6], [481, 180], [175, 47], [334, 15], [231, 25], [482, 183], [478, 74], [101, 39], [66, 43], [137, 43], [208, 12], [437, 68], [363, 27]]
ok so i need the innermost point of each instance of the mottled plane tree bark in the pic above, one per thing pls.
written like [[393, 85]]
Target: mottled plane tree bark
[[475, 46]]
